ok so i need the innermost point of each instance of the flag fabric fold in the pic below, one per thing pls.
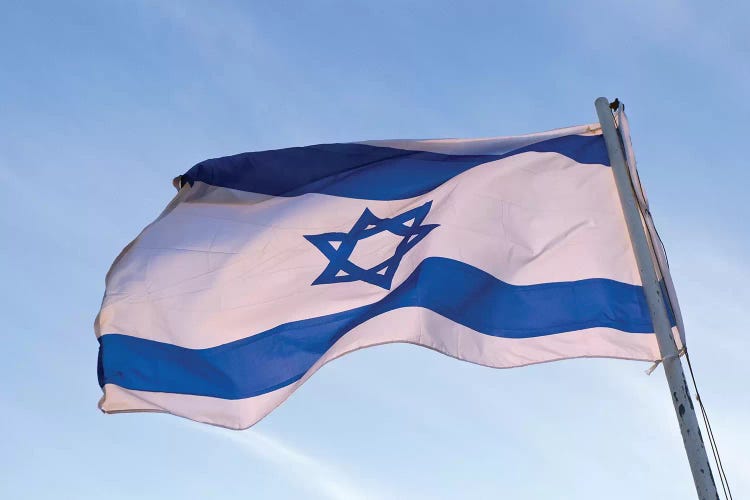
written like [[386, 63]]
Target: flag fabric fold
[[501, 251]]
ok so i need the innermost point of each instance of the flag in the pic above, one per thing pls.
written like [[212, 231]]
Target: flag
[[267, 265]]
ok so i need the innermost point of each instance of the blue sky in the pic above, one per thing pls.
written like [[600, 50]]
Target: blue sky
[[102, 103]]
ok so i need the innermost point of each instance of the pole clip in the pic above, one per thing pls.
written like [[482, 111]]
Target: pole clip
[[651, 369]]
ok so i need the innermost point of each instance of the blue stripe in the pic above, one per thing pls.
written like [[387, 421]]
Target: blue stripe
[[458, 291], [363, 171]]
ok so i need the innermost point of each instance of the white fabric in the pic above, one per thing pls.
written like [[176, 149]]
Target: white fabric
[[221, 265], [658, 253], [483, 146]]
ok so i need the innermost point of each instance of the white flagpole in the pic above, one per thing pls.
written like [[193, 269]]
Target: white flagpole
[[683, 404]]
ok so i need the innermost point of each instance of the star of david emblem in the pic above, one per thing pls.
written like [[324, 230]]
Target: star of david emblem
[[338, 247]]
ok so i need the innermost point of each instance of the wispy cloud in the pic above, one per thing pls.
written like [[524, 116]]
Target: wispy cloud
[[212, 29], [312, 473]]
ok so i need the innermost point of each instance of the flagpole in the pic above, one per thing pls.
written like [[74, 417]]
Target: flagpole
[[683, 404]]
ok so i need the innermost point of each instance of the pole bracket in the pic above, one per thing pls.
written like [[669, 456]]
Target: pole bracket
[[653, 367]]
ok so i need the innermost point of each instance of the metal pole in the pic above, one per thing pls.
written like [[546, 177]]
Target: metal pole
[[683, 404]]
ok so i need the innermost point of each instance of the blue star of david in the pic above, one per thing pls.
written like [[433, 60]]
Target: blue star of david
[[338, 247]]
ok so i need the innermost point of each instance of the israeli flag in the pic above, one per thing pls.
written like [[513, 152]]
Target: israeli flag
[[267, 265]]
